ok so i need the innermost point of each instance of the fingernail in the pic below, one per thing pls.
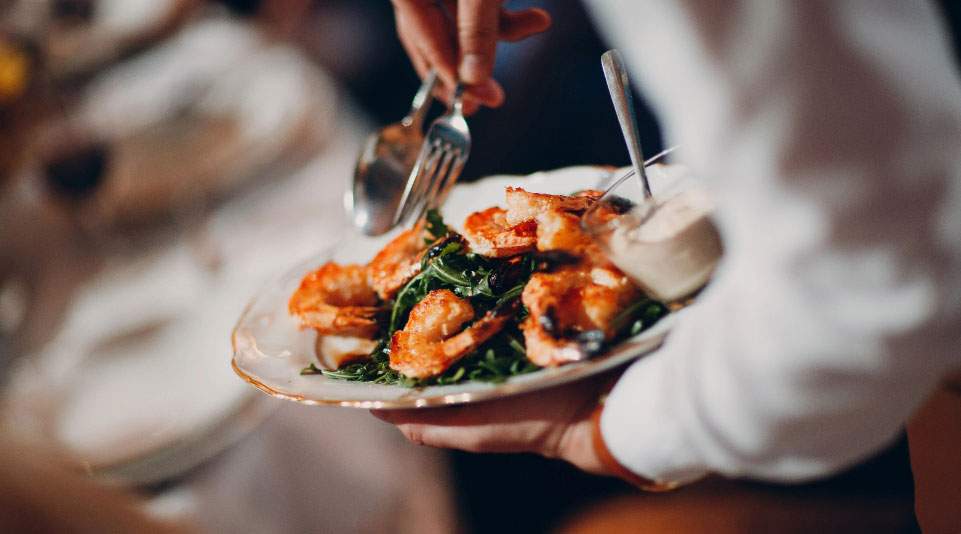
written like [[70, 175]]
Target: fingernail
[[474, 68], [489, 93]]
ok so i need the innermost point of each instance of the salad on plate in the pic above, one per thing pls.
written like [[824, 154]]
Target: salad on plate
[[516, 289]]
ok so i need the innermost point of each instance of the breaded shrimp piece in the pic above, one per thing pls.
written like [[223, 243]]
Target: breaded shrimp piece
[[525, 206], [558, 220], [396, 263], [581, 299], [336, 299], [560, 230], [440, 315], [545, 350], [434, 337], [488, 234], [609, 293], [568, 302]]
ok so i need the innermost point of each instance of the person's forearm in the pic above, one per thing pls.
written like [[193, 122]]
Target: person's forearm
[[831, 133]]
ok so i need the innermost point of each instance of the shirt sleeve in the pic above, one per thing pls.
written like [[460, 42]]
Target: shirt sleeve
[[830, 135]]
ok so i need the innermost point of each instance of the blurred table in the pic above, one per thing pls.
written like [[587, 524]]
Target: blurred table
[[306, 468], [310, 469], [129, 355]]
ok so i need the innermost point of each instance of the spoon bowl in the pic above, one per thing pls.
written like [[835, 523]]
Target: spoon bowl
[[385, 163]]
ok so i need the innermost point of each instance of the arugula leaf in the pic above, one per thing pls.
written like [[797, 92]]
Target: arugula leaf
[[511, 294], [436, 226], [311, 370], [638, 317]]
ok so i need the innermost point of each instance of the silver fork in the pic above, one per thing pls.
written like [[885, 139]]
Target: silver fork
[[440, 162]]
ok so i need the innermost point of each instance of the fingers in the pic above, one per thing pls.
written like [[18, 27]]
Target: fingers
[[416, 58], [452, 427], [434, 436], [427, 36], [451, 415], [480, 24], [477, 32], [465, 440], [477, 29], [470, 29], [518, 25], [490, 93], [555, 404], [552, 405]]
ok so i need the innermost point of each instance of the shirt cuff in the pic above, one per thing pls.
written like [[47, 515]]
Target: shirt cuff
[[641, 428]]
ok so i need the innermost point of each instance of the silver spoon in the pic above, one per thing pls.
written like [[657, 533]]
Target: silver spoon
[[385, 163], [619, 86]]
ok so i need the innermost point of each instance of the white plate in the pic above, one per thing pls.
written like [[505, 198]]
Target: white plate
[[270, 349], [132, 386]]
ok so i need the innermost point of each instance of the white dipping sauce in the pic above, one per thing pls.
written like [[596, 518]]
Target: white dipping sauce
[[670, 249]]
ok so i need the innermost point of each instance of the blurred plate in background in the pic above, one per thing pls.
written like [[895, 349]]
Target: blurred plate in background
[[130, 386], [198, 116], [124, 369], [81, 36]]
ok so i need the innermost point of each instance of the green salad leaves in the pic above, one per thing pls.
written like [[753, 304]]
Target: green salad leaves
[[488, 283]]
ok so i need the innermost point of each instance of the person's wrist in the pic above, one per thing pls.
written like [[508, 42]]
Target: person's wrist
[[611, 465], [576, 446]]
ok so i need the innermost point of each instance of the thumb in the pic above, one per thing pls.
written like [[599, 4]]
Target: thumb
[[477, 30]]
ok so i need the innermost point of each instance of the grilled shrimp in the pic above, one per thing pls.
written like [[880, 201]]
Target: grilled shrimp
[[569, 302], [560, 230], [396, 263], [336, 299], [488, 234], [525, 206], [557, 219], [545, 350], [434, 337]]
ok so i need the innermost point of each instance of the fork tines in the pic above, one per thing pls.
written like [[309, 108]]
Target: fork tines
[[441, 159]]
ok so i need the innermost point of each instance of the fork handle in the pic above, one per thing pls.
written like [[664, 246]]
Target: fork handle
[[421, 103], [457, 102]]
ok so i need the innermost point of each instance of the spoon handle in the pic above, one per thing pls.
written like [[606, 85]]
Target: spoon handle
[[421, 103], [619, 86]]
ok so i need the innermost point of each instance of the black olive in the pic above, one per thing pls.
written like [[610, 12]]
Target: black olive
[[439, 246], [505, 276], [494, 281], [620, 204], [591, 341]]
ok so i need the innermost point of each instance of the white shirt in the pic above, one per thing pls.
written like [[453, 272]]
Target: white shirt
[[830, 133]]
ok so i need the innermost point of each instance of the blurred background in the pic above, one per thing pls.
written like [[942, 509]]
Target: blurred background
[[160, 160]]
